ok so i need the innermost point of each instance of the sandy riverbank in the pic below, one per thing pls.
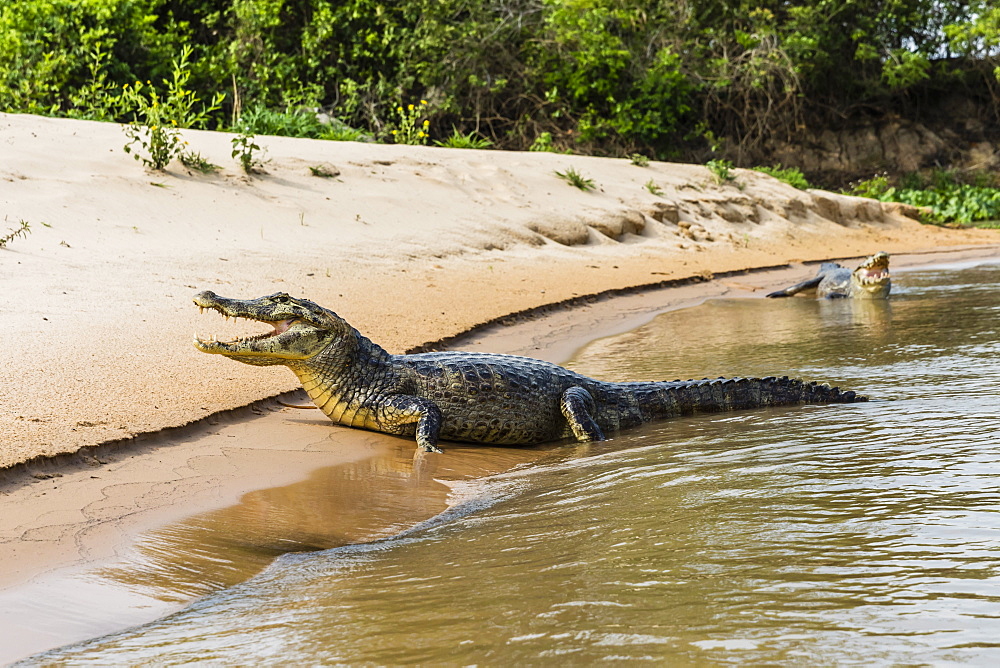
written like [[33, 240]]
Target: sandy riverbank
[[410, 244]]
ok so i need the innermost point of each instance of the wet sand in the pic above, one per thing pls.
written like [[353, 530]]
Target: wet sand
[[138, 532]]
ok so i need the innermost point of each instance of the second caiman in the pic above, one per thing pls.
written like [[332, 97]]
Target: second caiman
[[471, 397], [869, 281]]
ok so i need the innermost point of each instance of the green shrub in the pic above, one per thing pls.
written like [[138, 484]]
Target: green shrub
[[411, 125], [154, 129], [542, 143], [260, 120], [246, 151], [793, 176], [721, 169], [48, 50], [340, 131], [946, 202], [469, 140]]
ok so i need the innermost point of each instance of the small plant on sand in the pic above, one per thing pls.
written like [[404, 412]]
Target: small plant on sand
[[876, 187], [651, 186], [20, 231], [793, 176], [194, 160], [576, 179], [245, 150], [639, 160], [410, 127], [721, 169], [458, 140], [154, 133]]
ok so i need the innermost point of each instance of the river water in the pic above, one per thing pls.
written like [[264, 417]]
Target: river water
[[865, 534]]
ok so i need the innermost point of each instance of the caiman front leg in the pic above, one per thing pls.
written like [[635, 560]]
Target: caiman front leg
[[577, 407], [398, 410]]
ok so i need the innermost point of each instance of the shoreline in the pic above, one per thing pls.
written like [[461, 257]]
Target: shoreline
[[91, 521], [508, 334], [408, 243]]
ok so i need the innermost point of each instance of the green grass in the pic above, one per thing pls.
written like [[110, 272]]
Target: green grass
[[458, 140], [793, 176], [577, 180], [194, 160]]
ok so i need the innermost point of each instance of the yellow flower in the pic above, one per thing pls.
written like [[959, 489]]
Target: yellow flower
[[393, 132], [426, 123], [410, 107], [420, 134], [423, 101]]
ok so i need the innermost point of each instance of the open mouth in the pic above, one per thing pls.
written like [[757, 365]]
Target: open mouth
[[278, 327], [876, 271], [875, 274]]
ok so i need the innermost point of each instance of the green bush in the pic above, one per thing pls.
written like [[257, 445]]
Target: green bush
[[945, 200], [459, 140], [610, 77], [793, 176], [295, 123], [155, 121], [48, 50]]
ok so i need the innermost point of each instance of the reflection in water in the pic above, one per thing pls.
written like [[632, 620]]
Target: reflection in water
[[851, 534], [339, 505]]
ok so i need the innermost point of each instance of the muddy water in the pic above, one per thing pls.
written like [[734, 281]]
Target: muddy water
[[865, 534]]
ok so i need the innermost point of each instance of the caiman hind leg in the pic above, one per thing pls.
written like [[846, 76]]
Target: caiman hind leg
[[396, 411], [578, 407]]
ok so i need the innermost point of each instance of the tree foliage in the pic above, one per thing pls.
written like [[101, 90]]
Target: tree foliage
[[601, 76]]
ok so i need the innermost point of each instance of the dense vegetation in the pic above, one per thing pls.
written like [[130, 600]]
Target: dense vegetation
[[691, 79]]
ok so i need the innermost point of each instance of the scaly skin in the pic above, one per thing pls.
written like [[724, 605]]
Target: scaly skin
[[472, 397], [869, 281]]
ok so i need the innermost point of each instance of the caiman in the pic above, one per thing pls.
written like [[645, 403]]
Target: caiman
[[471, 397], [869, 281]]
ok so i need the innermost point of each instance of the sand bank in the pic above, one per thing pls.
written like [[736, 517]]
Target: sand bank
[[410, 244]]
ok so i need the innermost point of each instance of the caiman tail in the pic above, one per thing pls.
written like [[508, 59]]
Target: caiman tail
[[669, 399]]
